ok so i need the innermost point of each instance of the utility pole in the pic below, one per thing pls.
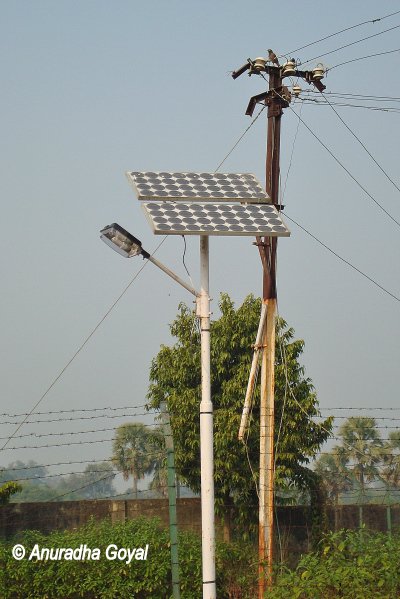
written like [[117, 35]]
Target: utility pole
[[267, 396], [276, 99]]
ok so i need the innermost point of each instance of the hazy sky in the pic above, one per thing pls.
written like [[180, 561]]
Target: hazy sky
[[91, 89]]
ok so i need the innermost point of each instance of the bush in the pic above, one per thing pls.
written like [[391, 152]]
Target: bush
[[348, 565], [106, 579]]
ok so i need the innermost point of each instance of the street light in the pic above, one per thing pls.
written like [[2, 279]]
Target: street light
[[122, 242], [201, 204]]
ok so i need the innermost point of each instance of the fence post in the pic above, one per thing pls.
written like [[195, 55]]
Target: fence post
[[389, 520]]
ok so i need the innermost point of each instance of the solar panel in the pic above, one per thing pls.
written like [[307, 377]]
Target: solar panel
[[214, 187], [171, 218]]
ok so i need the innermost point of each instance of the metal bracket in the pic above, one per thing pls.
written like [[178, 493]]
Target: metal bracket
[[203, 306]]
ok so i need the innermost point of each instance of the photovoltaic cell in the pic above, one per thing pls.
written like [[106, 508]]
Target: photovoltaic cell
[[214, 187], [214, 219]]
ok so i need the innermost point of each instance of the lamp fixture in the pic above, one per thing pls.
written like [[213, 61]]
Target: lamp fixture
[[122, 241]]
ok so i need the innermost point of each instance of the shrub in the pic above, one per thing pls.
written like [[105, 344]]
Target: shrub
[[106, 579], [348, 565]]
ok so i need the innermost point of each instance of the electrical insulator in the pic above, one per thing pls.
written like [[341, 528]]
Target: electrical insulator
[[259, 64], [318, 72], [289, 68], [296, 91]]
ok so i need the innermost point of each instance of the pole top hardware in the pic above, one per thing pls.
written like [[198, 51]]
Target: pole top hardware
[[289, 68]]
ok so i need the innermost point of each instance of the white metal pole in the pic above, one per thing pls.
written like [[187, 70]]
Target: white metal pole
[[206, 431], [171, 274]]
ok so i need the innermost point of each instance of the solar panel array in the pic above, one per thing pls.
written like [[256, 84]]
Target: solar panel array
[[198, 186], [173, 218], [197, 204]]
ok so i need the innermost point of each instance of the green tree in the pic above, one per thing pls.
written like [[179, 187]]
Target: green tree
[[30, 470], [391, 460], [334, 471], [135, 451], [175, 377], [363, 449], [7, 489], [95, 482]]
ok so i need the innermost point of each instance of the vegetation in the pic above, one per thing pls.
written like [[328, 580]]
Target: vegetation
[[32, 486], [348, 565], [7, 490], [136, 451], [363, 467], [175, 378], [106, 579]]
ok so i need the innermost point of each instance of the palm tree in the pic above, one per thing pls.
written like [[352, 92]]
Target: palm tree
[[391, 460], [333, 469], [362, 447], [135, 451]]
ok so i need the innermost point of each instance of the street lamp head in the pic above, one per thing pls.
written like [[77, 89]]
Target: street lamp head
[[121, 241]]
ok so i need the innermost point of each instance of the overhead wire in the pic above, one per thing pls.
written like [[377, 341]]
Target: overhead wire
[[363, 274], [240, 138], [345, 168], [361, 143], [82, 346], [340, 64], [317, 102], [350, 44], [322, 39], [365, 97], [322, 243]]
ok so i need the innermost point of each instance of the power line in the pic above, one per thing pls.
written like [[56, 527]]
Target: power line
[[365, 97], [322, 39], [82, 345], [343, 259], [316, 102], [362, 144], [340, 64], [240, 139], [350, 44], [345, 169]]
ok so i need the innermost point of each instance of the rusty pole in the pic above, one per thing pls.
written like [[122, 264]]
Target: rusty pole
[[276, 98], [267, 410]]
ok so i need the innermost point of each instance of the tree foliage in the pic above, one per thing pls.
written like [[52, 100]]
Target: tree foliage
[[362, 446], [136, 450], [333, 469], [94, 482], [7, 490], [175, 377], [347, 565], [361, 460]]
